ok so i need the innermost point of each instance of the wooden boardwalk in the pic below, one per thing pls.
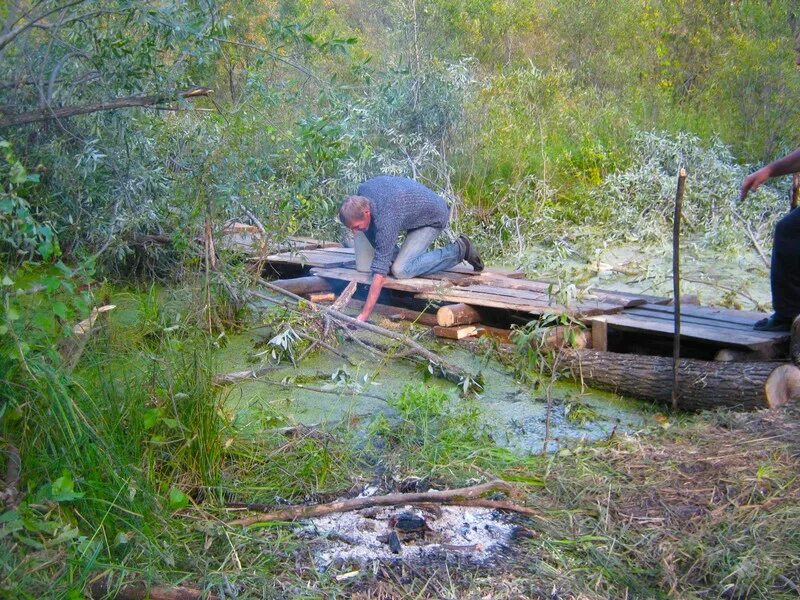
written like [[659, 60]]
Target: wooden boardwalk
[[615, 317]]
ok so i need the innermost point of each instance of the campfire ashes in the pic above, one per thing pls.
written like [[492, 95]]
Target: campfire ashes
[[410, 534]]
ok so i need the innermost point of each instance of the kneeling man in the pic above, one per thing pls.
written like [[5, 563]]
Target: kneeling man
[[385, 207]]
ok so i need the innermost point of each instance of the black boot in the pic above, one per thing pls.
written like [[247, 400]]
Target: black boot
[[773, 323], [470, 253]]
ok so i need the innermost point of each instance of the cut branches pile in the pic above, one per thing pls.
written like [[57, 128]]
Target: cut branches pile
[[333, 319]]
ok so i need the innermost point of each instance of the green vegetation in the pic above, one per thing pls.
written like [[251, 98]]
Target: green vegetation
[[554, 128]]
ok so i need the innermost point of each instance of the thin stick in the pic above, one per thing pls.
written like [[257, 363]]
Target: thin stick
[[752, 237], [676, 285], [456, 496], [317, 390]]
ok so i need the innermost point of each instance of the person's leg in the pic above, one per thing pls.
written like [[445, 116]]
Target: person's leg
[[364, 252], [413, 260], [785, 271]]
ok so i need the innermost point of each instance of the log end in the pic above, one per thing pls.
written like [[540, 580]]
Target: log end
[[782, 385]]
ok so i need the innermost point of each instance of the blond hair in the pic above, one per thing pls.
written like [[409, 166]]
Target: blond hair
[[353, 208]]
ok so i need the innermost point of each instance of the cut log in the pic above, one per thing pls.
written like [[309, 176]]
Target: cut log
[[457, 314], [564, 336], [322, 297], [455, 333], [703, 385], [304, 285]]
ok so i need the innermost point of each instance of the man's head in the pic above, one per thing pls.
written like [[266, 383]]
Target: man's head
[[355, 213]]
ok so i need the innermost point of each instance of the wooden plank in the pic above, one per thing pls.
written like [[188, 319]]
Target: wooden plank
[[608, 296], [580, 306], [727, 337], [455, 333], [712, 313], [311, 258], [488, 272], [531, 305], [600, 334], [404, 285], [491, 301], [688, 318]]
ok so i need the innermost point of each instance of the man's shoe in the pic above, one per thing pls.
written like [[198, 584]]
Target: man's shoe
[[470, 253], [773, 323]]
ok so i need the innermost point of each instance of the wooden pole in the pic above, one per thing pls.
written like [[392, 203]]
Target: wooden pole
[[676, 285]]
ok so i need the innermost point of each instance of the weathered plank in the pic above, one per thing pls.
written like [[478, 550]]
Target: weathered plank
[[580, 307], [529, 304], [405, 285], [625, 299], [685, 318], [455, 333], [712, 313], [312, 258], [708, 333]]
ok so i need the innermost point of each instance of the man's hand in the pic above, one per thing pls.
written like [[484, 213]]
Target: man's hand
[[362, 317], [753, 181]]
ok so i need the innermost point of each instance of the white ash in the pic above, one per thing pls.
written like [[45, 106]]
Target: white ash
[[467, 533]]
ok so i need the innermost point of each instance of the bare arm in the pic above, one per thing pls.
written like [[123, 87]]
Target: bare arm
[[372, 296], [783, 166]]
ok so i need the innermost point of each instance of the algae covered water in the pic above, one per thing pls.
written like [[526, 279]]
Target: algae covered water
[[324, 390]]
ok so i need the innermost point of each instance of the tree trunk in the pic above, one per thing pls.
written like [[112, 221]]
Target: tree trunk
[[703, 384], [457, 314]]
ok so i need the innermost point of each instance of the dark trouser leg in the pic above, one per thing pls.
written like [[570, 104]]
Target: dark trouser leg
[[785, 272]]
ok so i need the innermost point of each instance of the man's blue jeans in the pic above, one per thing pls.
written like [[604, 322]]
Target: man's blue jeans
[[411, 259]]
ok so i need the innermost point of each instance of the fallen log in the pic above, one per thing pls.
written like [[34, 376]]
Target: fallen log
[[703, 384], [457, 314], [471, 496], [141, 591], [304, 285]]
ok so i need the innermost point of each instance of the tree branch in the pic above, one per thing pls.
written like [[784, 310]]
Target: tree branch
[[47, 114], [468, 495], [13, 34]]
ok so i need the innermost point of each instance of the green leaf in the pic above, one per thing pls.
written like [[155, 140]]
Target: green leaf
[[177, 499], [51, 283], [7, 281], [60, 310], [12, 314], [151, 417], [63, 488]]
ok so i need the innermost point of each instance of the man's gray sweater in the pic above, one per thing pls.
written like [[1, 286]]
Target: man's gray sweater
[[398, 204]]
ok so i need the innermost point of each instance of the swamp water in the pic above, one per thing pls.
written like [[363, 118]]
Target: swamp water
[[512, 412]]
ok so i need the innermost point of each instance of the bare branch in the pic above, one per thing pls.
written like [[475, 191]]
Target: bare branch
[[47, 114]]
